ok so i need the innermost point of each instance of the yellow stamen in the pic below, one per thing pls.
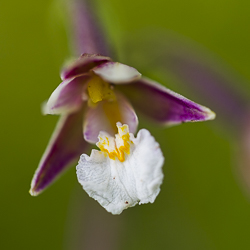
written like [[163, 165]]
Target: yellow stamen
[[117, 152]]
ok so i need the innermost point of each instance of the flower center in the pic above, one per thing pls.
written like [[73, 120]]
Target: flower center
[[100, 90], [118, 146]]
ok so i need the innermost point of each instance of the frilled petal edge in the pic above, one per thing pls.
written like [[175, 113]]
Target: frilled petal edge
[[116, 184], [67, 97], [82, 65], [65, 147], [164, 105], [117, 73]]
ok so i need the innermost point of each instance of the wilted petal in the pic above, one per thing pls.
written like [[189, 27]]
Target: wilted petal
[[105, 115], [65, 146], [163, 105], [117, 73], [117, 184], [82, 65], [67, 97]]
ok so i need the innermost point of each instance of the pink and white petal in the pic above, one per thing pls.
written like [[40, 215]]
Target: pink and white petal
[[164, 105], [94, 122], [82, 65], [129, 116], [65, 147], [67, 97], [96, 119], [117, 73]]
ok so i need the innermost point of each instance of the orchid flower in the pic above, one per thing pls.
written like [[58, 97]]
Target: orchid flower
[[95, 97], [90, 100]]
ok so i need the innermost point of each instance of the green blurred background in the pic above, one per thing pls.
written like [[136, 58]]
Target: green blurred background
[[201, 204]]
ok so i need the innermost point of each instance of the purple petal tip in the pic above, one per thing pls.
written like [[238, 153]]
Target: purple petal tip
[[33, 192], [65, 147], [163, 105], [210, 114]]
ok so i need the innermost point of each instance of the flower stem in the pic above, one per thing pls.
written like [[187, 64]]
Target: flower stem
[[85, 30]]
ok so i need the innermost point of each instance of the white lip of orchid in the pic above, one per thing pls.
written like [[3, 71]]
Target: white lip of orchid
[[125, 172]]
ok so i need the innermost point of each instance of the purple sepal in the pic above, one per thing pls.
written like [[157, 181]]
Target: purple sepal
[[163, 105], [65, 147], [67, 97], [82, 65]]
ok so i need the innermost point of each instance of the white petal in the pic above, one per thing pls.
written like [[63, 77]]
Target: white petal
[[117, 73], [116, 184]]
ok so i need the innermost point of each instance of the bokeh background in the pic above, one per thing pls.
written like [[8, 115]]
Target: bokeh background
[[201, 205]]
